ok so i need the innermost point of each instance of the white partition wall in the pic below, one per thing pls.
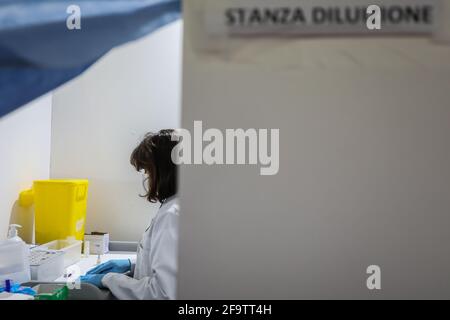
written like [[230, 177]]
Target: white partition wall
[[364, 169]]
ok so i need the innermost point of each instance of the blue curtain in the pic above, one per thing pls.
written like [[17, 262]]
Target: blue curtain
[[38, 52]]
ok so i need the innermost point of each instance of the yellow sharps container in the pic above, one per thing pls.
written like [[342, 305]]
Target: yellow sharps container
[[60, 208]]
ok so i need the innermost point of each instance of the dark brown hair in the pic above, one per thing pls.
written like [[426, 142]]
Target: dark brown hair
[[153, 155]]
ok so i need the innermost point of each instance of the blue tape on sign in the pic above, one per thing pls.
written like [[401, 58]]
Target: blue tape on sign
[[39, 52]]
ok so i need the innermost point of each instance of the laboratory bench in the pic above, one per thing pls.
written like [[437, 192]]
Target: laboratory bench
[[86, 291], [85, 264]]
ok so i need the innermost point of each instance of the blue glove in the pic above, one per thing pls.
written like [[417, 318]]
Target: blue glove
[[115, 266], [95, 279], [16, 288]]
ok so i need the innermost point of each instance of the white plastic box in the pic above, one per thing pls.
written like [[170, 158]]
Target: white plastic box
[[14, 264], [46, 265], [70, 247]]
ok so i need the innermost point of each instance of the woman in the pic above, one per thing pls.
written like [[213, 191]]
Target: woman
[[153, 274]]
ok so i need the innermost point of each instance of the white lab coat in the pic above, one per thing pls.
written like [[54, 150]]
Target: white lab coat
[[154, 272]]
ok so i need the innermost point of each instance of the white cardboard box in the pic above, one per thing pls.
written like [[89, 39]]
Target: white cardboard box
[[98, 242]]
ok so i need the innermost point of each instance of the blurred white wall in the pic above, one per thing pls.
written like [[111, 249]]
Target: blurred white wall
[[100, 117], [24, 157], [364, 169]]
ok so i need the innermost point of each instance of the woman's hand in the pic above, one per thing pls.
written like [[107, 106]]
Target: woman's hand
[[115, 266]]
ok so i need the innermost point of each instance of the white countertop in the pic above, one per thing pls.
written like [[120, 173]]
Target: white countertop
[[85, 264]]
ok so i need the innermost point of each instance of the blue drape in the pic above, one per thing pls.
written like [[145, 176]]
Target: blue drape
[[38, 52]]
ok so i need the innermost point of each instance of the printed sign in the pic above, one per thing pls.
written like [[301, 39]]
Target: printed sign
[[318, 17]]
